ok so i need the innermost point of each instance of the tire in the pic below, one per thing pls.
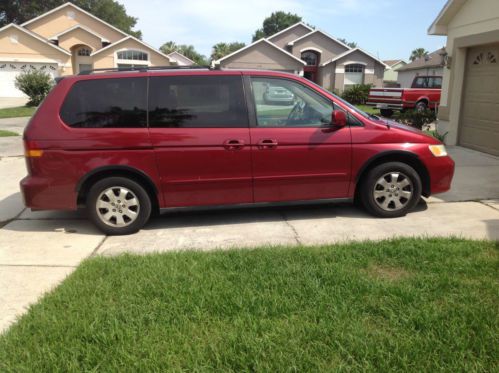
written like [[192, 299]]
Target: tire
[[421, 106], [387, 113], [133, 206], [384, 196]]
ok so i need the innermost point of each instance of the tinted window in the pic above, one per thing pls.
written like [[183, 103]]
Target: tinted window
[[420, 82], [197, 101], [106, 103], [435, 82]]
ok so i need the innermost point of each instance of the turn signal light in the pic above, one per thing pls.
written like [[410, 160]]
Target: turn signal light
[[438, 150], [33, 153]]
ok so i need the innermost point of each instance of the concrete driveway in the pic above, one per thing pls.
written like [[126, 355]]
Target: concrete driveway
[[39, 249]]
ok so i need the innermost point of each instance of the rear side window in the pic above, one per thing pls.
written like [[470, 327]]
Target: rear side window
[[106, 103], [197, 101]]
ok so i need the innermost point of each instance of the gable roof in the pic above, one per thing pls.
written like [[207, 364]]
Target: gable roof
[[321, 32], [56, 36], [352, 51], [180, 55], [434, 59], [128, 38], [450, 9], [36, 36], [255, 43], [391, 63], [289, 28], [77, 8]]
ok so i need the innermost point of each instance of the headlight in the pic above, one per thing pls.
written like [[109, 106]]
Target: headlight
[[438, 150]]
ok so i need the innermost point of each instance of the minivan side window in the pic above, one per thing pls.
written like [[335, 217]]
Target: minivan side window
[[285, 103], [106, 103], [197, 101]]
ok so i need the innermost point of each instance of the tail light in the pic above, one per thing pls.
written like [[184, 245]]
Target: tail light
[[31, 152]]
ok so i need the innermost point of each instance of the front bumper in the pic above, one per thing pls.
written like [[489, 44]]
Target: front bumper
[[441, 172]]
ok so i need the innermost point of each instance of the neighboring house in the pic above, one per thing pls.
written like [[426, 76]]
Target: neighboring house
[[68, 40], [390, 76], [312, 53], [469, 105], [179, 59], [430, 65]]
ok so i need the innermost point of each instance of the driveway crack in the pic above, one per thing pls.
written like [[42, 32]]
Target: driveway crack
[[98, 247], [293, 229]]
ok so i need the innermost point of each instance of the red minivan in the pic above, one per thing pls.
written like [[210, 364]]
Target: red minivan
[[125, 144]]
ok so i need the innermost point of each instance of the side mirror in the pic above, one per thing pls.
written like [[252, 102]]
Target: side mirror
[[339, 118]]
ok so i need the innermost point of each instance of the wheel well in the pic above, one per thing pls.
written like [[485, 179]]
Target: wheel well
[[425, 100], [407, 158], [129, 173]]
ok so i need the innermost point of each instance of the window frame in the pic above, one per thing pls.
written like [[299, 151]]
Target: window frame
[[247, 115]]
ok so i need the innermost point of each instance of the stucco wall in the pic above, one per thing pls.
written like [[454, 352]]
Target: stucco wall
[[106, 58], [28, 48], [328, 47], [391, 75], [373, 70], [79, 36], [60, 21], [262, 56], [283, 39]]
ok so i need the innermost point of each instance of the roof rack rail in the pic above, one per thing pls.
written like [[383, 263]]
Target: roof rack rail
[[146, 68]]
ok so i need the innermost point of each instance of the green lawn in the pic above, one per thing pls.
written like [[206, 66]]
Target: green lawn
[[5, 133], [368, 109], [400, 305], [13, 112]]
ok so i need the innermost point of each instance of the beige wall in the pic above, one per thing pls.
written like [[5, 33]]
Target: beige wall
[[59, 21], [330, 48], [391, 74], [79, 36], [373, 70], [476, 23], [262, 56], [283, 39], [29, 48], [106, 58]]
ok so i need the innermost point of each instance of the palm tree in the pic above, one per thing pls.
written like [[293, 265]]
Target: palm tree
[[169, 47], [223, 49], [418, 53]]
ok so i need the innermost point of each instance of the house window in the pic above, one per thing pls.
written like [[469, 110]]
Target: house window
[[83, 52], [132, 55], [310, 57], [354, 68]]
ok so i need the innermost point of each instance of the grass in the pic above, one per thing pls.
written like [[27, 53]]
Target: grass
[[5, 133], [400, 305], [368, 109], [14, 112]]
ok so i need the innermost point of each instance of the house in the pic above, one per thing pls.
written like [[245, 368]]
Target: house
[[391, 74], [68, 40], [469, 105], [431, 65], [179, 59], [311, 53]]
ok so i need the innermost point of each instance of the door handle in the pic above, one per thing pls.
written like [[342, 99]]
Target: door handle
[[233, 144], [267, 144]]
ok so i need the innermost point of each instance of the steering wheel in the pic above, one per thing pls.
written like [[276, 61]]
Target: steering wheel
[[296, 112]]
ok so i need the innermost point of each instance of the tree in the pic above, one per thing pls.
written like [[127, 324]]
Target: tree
[[418, 53], [187, 50], [20, 11], [351, 44], [223, 49], [276, 22]]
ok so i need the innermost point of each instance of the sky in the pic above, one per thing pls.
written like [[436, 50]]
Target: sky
[[388, 29]]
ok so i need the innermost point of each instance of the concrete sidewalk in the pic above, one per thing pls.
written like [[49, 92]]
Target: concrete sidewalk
[[39, 249]]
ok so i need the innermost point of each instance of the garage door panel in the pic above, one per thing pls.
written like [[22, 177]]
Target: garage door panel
[[9, 71], [479, 125]]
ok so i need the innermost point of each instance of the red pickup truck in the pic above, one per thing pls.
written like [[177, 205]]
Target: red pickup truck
[[423, 94]]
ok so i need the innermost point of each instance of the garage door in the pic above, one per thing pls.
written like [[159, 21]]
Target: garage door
[[479, 126], [9, 71]]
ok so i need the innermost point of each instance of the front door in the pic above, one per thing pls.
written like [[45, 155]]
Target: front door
[[297, 154], [199, 130]]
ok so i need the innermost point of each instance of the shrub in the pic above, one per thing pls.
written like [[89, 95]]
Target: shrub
[[357, 94], [417, 119], [35, 84]]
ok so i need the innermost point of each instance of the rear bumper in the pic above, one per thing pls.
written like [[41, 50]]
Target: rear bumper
[[441, 172], [39, 194], [385, 105]]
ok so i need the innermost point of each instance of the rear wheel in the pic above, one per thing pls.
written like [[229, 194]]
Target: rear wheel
[[386, 112], [118, 205], [391, 190], [421, 106]]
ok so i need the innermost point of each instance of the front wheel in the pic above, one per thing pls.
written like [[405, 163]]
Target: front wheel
[[387, 113], [391, 190], [118, 205]]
